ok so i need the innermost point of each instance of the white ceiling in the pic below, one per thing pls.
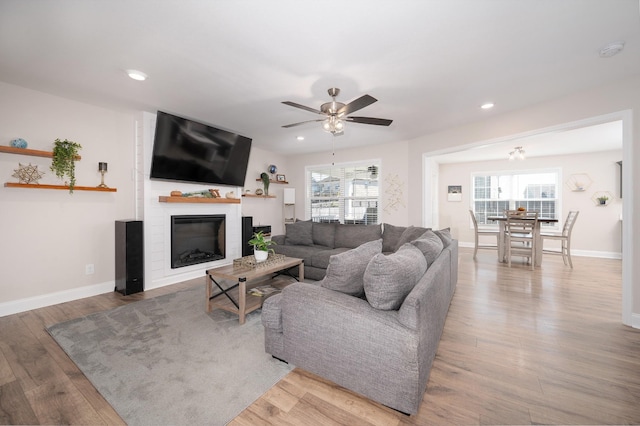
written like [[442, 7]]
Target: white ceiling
[[430, 64]]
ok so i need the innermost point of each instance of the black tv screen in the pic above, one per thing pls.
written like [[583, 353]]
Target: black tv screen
[[188, 151]]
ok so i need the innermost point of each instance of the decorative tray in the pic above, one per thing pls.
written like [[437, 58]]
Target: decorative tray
[[250, 261]]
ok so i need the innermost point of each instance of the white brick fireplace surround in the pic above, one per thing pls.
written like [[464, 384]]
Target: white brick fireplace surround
[[157, 217]]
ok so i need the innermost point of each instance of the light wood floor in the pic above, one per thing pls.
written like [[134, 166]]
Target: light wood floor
[[519, 347]]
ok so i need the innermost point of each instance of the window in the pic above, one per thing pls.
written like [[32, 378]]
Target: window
[[492, 193], [347, 193]]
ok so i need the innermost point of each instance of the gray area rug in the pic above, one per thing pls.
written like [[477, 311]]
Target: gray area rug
[[166, 361]]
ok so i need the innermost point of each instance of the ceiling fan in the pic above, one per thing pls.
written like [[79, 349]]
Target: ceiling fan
[[337, 113]]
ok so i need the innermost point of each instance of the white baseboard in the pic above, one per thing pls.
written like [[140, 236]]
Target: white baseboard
[[27, 304], [22, 305], [579, 253], [635, 320]]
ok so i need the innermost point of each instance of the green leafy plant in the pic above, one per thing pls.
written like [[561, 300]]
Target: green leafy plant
[[603, 199], [259, 242], [63, 164], [265, 181]]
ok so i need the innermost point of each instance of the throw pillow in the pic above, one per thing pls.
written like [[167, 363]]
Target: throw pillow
[[410, 234], [430, 245], [390, 237], [346, 270], [299, 234], [352, 236], [389, 279], [445, 236]]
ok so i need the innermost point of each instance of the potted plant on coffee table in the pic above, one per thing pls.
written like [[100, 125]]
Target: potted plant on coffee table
[[261, 246]]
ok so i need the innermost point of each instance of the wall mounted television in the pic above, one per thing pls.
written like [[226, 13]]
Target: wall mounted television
[[189, 151]]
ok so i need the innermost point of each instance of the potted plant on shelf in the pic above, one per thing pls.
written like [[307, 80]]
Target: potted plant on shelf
[[603, 200], [64, 157], [261, 246], [265, 181]]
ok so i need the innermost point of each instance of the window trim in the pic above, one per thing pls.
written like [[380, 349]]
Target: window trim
[[342, 197], [512, 172]]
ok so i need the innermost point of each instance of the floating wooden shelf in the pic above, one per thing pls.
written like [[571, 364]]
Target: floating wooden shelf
[[66, 187], [31, 152], [258, 196], [200, 200], [283, 182]]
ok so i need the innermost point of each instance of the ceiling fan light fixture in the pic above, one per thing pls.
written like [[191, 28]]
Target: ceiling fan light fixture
[[336, 114], [333, 125], [517, 153]]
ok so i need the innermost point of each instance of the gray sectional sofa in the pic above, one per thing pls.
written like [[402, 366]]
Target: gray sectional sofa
[[317, 242], [373, 323]]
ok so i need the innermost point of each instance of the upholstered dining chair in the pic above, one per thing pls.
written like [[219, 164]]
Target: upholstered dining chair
[[564, 238], [481, 232], [519, 235]]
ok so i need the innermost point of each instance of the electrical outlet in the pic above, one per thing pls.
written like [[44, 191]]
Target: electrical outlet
[[89, 269]]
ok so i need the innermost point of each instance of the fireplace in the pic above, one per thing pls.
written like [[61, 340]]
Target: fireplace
[[197, 239]]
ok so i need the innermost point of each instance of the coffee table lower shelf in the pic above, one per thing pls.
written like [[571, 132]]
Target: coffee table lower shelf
[[227, 286]]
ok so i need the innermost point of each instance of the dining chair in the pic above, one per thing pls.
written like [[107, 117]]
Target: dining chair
[[519, 234], [481, 232], [564, 238]]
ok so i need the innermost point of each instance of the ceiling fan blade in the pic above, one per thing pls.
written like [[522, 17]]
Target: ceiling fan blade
[[370, 120], [361, 102], [306, 108], [302, 122]]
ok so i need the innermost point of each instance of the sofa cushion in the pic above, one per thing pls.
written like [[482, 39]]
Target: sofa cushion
[[301, 252], [272, 312], [411, 233], [299, 233], [346, 270], [430, 245], [352, 236], [324, 234], [390, 236], [389, 279], [321, 258], [445, 236]]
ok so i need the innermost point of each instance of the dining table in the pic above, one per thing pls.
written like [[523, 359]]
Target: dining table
[[502, 250]]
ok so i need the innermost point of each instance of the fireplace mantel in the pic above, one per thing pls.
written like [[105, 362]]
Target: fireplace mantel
[[198, 200]]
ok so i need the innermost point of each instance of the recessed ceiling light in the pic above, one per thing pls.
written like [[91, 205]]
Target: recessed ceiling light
[[488, 105], [611, 49], [137, 75], [300, 138]]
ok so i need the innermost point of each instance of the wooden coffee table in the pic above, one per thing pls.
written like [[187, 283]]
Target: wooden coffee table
[[237, 300]]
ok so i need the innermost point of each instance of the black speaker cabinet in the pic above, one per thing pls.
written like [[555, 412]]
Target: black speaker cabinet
[[129, 257], [247, 233]]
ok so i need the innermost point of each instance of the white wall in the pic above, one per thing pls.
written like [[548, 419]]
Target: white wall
[[587, 239], [48, 236], [393, 175]]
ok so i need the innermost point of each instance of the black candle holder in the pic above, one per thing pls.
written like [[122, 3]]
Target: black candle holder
[[102, 168]]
